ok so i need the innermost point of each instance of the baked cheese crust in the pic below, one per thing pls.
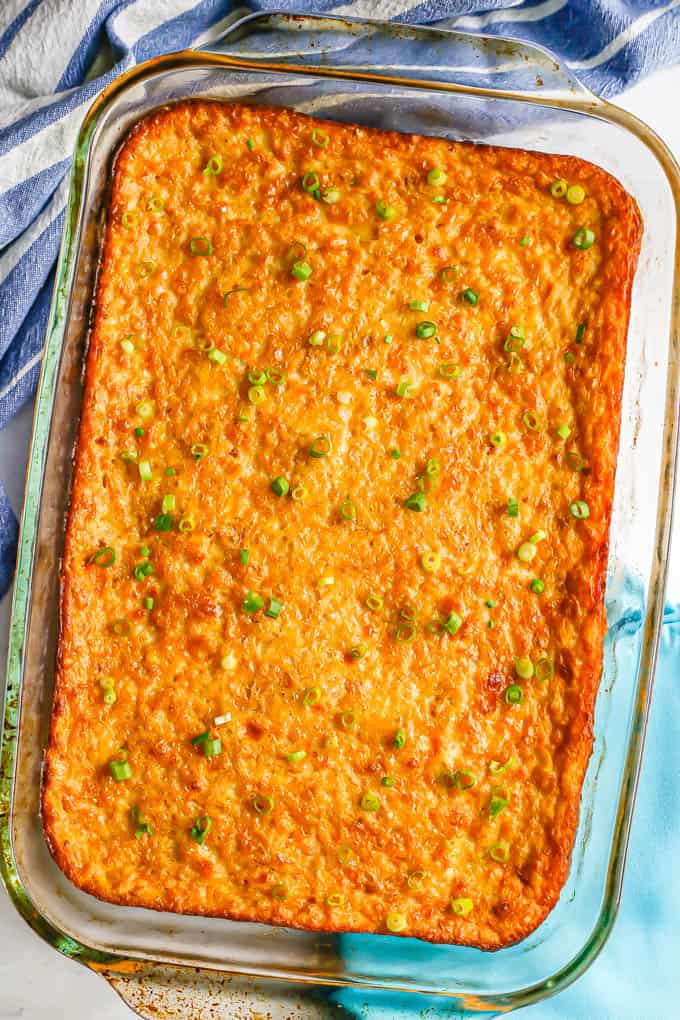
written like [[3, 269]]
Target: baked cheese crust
[[333, 583]]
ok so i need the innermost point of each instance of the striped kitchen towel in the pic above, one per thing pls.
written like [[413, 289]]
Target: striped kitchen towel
[[56, 55]]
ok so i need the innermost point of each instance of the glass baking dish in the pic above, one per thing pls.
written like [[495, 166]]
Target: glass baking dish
[[410, 79]]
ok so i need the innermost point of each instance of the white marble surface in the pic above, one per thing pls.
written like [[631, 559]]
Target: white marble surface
[[36, 983]]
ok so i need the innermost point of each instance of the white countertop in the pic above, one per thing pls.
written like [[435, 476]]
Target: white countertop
[[36, 983]]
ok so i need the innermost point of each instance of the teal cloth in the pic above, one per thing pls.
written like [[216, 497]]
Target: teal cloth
[[637, 975]]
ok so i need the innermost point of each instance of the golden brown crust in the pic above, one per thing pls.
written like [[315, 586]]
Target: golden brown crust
[[446, 692]]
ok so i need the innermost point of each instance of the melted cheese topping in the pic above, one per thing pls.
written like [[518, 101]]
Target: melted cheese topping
[[363, 769]]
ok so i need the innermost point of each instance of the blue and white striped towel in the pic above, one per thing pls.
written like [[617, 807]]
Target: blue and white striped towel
[[48, 48]]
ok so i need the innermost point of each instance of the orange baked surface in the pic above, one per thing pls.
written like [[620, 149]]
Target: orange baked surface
[[333, 584]]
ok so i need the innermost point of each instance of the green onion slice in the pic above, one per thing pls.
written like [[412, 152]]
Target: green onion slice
[[461, 906], [464, 779], [214, 166], [385, 211], [499, 852], [252, 603], [370, 802], [544, 669], [263, 804], [514, 694], [469, 296], [201, 828], [416, 501], [320, 138], [579, 509], [449, 370], [321, 447], [104, 557], [311, 696], [584, 239], [426, 329], [201, 246], [348, 510]]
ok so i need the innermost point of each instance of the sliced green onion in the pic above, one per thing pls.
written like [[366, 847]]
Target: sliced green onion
[[416, 501], [537, 586], [296, 252], [301, 270], [515, 364], [405, 632], [199, 450], [395, 922], [335, 900], [201, 828], [569, 358], [250, 143], [311, 696], [295, 756], [395, 454], [129, 218], [579, 509], [558, 189], [104, 557], [464, 779], [388, 782], [563, 431], [469, 296], [385, 211], [399, 740], [524, 667], [452, 623], [145, 472], [499, 852], [433, 467], [388, 338], [498, 439], [168, 503], [142, 570], [436, 177], [426, 329], [449, 370], [333, 343], [575, 461], [449, 274], [575, 194], [275, 376], [256, 395], [461, 906], [347, 719], [216, 356], [584, 239], [257, 378], [244, 556], [404, 388], [155, 204], [526, 552], [497, 803], [274, 608], [148, 603], [370, 801], [108, 690], [119, 767], [212, 747], [513, 508], [331, 196], [145, 269], [531, 421], [416, 879], [139, 431], [430, 561], [580, 332], [170, 471], [497, 768], [544, 669], [345, 854], [252, 603], [187, 524], [418, 306], [299, 494], [357, 651], [201, 246], [320, 138], [214, 166], [279, 486], [374, 603], [523, 241], [310, 182], [127, 346], [426, 483], [141, 827], [164, 522], [279, 891], [321, 447], [514, 694], [348, 510], [121, 628], [263, 804], [371, 373]]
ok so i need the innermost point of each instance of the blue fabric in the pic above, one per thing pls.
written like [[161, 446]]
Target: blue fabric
[[47, 48]]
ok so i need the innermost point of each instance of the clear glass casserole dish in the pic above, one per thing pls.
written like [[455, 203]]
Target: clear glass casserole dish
[[426, 81]]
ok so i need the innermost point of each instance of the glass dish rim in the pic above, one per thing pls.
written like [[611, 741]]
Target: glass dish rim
[[583, 103]]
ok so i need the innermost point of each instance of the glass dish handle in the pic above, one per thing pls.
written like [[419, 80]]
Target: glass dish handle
[[161, 992], [493, 64]]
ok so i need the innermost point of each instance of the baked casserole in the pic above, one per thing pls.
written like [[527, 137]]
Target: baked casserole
[[333, 584]]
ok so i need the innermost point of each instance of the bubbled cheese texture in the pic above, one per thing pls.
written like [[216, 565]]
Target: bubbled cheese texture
[[197, 655]]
